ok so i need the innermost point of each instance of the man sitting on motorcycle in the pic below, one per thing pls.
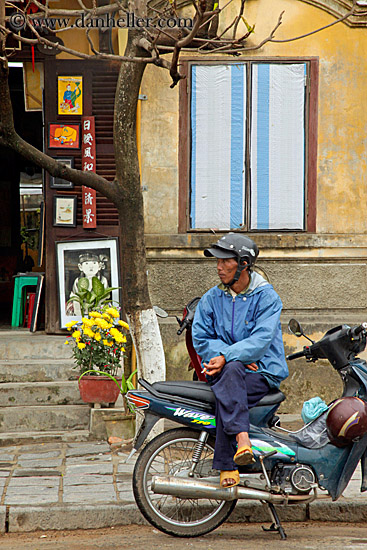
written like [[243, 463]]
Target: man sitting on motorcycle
[[237, 333]]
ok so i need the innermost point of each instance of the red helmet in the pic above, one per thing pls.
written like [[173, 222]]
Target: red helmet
[[346, 420]]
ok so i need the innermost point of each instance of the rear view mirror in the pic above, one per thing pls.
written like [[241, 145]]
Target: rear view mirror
[[160, 312], [295, 328]]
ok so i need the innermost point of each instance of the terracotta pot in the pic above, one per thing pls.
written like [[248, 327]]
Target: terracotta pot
[[98, 389]]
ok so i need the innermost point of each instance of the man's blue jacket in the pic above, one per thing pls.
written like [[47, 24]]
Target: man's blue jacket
[[244, 328]]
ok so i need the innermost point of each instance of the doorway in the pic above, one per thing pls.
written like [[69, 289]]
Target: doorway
[[21, 195]]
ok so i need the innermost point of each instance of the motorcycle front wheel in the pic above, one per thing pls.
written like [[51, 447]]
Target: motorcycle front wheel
[[170, 453]]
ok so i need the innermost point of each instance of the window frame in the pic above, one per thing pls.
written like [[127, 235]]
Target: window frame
[[311, 123]]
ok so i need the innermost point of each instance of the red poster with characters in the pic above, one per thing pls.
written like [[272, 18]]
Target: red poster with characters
[[89, 165]]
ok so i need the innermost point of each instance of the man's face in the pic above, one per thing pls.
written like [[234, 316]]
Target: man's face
[[226, 269], [90, 268]]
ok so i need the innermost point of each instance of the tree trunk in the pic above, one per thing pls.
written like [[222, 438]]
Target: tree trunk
[[129, 200]]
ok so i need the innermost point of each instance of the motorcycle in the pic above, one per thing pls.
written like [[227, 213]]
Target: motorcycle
[[174, 484]]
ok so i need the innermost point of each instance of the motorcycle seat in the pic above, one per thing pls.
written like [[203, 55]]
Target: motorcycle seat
[[202, 392]]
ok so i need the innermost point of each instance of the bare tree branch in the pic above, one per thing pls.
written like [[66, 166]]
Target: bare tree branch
[[92, 47], [159, 41], [43, 40], [103, 10], [238, 18], [237, 51]]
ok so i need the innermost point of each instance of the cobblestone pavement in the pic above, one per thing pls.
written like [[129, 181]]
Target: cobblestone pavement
[[84, 485], [64, 473]]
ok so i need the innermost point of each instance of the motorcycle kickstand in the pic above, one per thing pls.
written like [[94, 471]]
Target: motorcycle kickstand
[[276, 525]]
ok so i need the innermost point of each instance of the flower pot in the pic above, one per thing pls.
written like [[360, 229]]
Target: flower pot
[[98, 389], [119, 424]]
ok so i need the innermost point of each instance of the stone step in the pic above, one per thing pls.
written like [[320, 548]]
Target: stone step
[[39, 393], [21, 438], [44, 418], [36, 370], [22, 345]]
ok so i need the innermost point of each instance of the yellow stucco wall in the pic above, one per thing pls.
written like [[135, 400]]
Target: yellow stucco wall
[[76, 39], [159, 151], [342, 116]]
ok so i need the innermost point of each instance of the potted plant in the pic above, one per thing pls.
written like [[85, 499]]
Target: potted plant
[[97, 346]]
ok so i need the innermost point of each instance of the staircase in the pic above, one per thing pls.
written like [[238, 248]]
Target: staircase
[[39, 396]]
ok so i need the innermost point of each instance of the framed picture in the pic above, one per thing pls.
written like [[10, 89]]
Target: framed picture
[[70, 95], [64, 211], [59, 183], [91, 258], [63, 136]]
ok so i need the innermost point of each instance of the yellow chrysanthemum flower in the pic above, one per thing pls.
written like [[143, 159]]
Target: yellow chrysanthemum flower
[[97, 336], [88, 322], [102, 323], [76, 334], [107, 343], [124, 325], [81, 345], [70, 325], [94, 314], [107, 317], [88, 332], [113, 312], [116, 334], [67, 341]]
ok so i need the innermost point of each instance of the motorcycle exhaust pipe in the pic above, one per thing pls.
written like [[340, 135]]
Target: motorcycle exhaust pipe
[[193, 488]]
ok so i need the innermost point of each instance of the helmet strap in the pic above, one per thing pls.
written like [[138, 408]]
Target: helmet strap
[[239, 270]]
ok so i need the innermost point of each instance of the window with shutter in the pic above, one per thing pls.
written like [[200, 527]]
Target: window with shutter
[[251, 153]]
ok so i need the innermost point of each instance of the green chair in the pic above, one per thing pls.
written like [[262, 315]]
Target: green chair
[[20, 281]]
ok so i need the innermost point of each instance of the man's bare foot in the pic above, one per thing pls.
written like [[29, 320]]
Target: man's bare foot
[[229, 478], [243, 440]]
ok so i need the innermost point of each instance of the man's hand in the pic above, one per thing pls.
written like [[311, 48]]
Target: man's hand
[[215, 365], [252, 366]]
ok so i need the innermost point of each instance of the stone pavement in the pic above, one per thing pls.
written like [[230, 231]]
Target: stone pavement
[[63, 485]]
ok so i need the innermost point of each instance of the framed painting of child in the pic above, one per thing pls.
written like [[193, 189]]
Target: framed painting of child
[[91, 258]]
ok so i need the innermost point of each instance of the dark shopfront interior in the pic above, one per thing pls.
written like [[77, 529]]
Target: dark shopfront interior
[[21, 196]]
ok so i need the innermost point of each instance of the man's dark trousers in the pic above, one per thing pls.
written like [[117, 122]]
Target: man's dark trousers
[[236, 390]]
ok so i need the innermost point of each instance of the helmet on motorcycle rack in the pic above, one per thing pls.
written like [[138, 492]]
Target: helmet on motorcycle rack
[[235, 245], [346, 420]]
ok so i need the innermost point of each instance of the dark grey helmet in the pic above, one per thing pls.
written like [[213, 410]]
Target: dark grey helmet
[[235, 245]]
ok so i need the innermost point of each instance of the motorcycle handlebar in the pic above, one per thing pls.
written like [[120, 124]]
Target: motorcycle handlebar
[[296, 355], [183, 326], [359, 329]]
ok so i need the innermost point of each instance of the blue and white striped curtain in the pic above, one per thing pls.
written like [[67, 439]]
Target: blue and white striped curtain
[[277, 146], [218, 146], [218, 140]]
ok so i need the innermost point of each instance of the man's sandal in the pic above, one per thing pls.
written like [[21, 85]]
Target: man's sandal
[[244, 456], [226, 475]]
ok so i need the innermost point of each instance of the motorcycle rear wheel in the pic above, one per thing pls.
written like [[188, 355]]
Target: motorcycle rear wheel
[[170, 453]]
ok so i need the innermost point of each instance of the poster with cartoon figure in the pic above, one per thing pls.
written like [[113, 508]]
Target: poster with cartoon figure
[[91, 258], [63, 136], [70, 95]]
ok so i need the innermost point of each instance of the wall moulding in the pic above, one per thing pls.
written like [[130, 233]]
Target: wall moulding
[[339, 8]]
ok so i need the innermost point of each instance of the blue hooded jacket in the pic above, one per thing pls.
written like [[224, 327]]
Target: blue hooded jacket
[[243, 328]]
